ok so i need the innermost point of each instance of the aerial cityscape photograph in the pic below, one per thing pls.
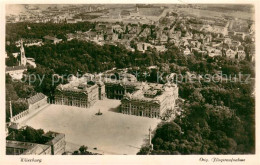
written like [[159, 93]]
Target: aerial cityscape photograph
[[130, 79]]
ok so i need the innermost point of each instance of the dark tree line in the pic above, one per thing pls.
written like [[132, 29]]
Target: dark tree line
[[28, 134], [17, 92], [16, 31]]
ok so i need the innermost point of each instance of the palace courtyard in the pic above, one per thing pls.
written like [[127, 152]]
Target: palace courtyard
[[110, 133]]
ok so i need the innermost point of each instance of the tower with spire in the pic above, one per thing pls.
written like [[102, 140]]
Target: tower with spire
[[23, 57]]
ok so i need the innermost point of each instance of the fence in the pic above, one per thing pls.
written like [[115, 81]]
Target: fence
[[20, 115]]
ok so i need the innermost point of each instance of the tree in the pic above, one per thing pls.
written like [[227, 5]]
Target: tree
[[144, 151], [32, 135], [169, 132], [83, 149], [196, 96]]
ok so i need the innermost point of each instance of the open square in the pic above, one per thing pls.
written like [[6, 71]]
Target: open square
[[111, 133]]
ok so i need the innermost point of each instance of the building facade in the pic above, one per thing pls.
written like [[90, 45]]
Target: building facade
[[16, 72], [151, 100], [56, 141], [50, 39], [137, 98], [26, 148], [117, 89], [79, 94], [37, 101]]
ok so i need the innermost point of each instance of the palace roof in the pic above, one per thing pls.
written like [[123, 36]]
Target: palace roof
[[78, 85], [152, 92]]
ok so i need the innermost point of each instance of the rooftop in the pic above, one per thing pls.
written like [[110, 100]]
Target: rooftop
[[157, 91], [50, 38], [13, 68], [54, 136], [30, 148], [36, 98], [82, 84]]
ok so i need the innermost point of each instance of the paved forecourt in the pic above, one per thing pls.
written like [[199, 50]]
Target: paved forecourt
[[111, 132]]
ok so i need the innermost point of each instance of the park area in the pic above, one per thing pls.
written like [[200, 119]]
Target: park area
[[111, 133]]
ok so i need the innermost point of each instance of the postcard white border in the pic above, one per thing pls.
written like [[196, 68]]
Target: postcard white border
[[125, 159]]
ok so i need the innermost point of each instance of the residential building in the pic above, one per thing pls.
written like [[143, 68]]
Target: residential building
[[50, 39], [186, 51], [163, 39], [231, 54], [16, 72], [241, 55]]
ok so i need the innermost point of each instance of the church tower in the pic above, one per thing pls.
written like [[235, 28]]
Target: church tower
[[23, 58]]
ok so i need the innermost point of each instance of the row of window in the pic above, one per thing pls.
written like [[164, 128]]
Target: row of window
[[141, 113], [141, 107], [143, 110]]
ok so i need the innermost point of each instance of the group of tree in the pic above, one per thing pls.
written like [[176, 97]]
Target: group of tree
[[28, 134], [26, 30], [82, 151], [17, 92]]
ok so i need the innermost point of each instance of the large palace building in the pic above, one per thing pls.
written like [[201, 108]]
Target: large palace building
[[150, 100], [137, 98], [79, 93]]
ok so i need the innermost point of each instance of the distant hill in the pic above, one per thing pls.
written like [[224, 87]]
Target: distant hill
[[226, 8]]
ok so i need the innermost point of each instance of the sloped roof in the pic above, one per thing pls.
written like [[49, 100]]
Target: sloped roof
[[30, 148], [54, 136], [50, 38], [36, 98], [13, 68], [37, 149]]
